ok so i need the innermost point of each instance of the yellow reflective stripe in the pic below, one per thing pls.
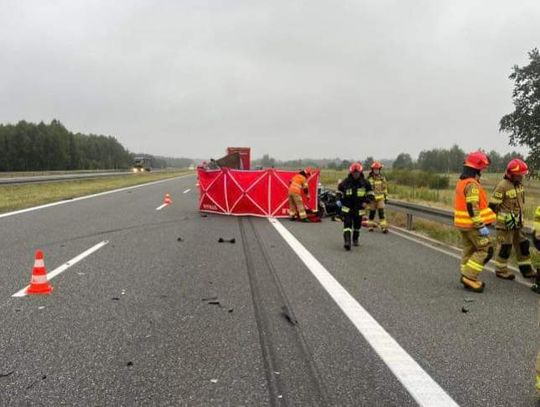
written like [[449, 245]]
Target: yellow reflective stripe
[[361, 192], [474, 265], [471, 199], [496, 201], [347, 230], [344, 209], [499, 264], [525, 262], [361, 212], [476, 219], [379, 197], [536, 226]]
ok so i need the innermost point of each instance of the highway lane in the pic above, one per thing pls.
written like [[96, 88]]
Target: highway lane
[[139, 300]]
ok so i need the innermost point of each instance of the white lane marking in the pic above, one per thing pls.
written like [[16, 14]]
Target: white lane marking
[[187, 190], [490, 268], [418, 383], [161, 207], [35, 208], [65, 266]]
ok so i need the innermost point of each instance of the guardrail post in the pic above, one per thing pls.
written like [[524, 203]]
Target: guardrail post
[[409, 221]]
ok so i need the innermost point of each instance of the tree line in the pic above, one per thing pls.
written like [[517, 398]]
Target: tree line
[[48, 147], [450, 160]]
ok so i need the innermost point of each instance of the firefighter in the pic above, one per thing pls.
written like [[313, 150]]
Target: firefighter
[[356, 194], [380, 188], [471, 216], [508, 202], [536, 286], [298, 187]]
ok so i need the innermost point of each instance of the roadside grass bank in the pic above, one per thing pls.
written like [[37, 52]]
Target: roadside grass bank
[[15, 197]]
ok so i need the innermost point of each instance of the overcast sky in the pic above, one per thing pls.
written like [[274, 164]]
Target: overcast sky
[[289, 78]]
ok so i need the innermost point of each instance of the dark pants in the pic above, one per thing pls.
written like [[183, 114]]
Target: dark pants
[[351, 227]]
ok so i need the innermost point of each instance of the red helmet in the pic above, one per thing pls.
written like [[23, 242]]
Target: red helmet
[[377, 166], [356, 167], [477, 160], [517, 167]]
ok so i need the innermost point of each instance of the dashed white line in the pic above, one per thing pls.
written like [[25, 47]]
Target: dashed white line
[[187, 190], [161, 207], [418, 383], [66, 265]]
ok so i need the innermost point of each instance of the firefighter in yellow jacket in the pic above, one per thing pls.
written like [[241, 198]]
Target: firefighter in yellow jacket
[[471, 216], [508, 201], [380, 188], [536, 286], [298, 188]]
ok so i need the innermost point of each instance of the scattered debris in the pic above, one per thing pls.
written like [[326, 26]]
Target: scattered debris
[[35, 381], [464, 310], [123, 292], [7, 374], [469, 300], [215, 303], [129, 363], [203, 215], [285, 312], [280, 396], [209, 299], [277, 373], [41, 307], [163, 296], [214, 380], [81, 274], [179, 239], [115, 299], [221, 240], [231, 310]]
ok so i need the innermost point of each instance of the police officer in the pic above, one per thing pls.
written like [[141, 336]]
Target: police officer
[[355, 195]]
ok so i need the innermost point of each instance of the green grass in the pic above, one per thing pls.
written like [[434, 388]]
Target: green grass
[[14, 197]]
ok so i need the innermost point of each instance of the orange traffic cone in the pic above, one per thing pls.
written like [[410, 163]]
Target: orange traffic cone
[[167, 200], [39, 283]]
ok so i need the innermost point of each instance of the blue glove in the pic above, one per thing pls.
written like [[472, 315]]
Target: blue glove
[[484, 231], [338, 203]]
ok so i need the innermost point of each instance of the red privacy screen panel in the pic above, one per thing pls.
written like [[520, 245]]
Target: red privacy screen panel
[[250, 193]]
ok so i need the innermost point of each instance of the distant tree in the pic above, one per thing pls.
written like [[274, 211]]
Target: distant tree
[[403, 162], [368, 162], [523, 124], [267, 161]]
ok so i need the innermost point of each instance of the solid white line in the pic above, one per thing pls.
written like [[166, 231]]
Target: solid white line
[[161, 207], [66, 265], [187, 190], [418, 383], [488, 267], [35, 208]]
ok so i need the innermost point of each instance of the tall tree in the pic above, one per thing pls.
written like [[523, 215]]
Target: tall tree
[[523, 124]]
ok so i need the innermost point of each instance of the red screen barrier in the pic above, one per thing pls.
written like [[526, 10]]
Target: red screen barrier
[[250, 193]]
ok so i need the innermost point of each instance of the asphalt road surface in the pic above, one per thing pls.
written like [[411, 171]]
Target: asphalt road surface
[[158, 312]]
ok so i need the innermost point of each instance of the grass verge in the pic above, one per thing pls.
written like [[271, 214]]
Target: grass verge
[[15, 197]]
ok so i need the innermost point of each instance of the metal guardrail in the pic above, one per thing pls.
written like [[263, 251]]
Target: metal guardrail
[[444, 216]]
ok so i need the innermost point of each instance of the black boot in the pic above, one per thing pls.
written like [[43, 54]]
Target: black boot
[[536, 286], [347, 239], [355, 236]]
